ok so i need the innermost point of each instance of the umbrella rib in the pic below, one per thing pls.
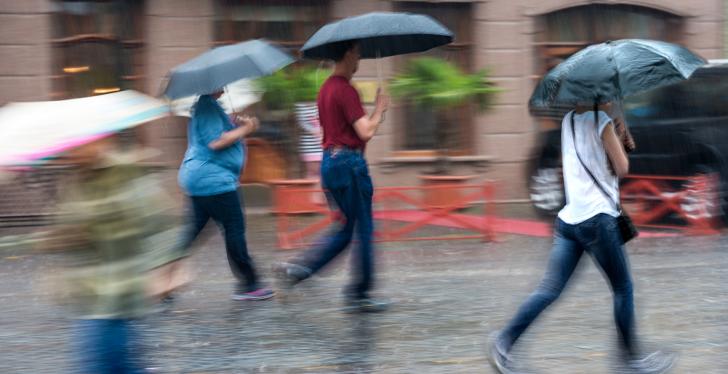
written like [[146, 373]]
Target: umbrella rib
[[675, 62], [566, 72], [658, 52], [617, 70]]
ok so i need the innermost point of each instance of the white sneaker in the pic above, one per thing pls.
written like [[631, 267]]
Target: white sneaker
[[657, 362]]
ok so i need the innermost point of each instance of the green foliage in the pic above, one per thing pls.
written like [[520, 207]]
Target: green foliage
[[276, 90], [292, 85], [438, 84], [307, 82]]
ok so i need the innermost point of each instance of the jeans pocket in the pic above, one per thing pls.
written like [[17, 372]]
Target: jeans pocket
[[599, 231], [334, 173], [362, 177], [365, 183]]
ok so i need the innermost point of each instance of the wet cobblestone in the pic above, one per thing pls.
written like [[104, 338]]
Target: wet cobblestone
[[447, 297]]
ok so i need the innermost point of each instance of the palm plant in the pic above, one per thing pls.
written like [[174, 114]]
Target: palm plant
[[307, 82], [282, 92], [276, 90], [438, 85], [286, 87]]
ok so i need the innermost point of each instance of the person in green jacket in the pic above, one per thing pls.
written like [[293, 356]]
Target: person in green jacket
[[117, 226]]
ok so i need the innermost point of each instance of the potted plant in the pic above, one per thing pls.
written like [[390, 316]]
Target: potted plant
[[277, 126], [290, 94], [437, 86], [285, 93], [277, 95], [306, 83]]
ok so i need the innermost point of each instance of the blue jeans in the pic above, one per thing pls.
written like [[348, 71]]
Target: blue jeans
[[346, 176], [600, 237], [106, 346], [225, 209]]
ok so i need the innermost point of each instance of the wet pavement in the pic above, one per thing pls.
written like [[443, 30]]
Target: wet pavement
[[447, 297]]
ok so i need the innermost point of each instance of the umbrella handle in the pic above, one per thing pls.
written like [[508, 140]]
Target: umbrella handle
[[379, 69], [230, 99], [163, 85], [317, 72]]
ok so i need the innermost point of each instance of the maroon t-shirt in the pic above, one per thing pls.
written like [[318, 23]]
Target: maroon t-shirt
[[339, 107]]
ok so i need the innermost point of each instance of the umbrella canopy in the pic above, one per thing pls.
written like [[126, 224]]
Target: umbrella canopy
[[214, 69], [37, 130], [608, 71], [379, 34], [238, 96]]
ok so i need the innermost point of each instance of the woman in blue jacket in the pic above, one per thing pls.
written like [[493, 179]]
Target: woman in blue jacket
[[209, 175]]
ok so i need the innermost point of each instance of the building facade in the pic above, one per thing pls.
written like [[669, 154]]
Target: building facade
[[57, 49]]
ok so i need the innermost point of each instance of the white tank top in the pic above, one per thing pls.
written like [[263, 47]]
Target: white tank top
[[584, 200]]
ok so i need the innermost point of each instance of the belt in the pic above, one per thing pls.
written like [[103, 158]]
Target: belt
[[341, 148]]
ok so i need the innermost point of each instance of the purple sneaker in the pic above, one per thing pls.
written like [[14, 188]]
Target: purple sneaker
[[259, 294]]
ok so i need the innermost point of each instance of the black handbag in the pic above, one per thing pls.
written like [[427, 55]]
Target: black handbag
[[626, 227]]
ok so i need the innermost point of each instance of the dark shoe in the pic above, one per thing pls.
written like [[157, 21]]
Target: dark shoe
[[498, 355], [259, 294], [366, 305], [655, 363], [290, 274]]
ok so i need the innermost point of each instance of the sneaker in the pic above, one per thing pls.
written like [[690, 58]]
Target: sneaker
[[366, 305], [655, 363], [498, 355], [259, 294], [290, 274]]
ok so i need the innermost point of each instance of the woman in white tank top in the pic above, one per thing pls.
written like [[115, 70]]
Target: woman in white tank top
[[588, 223]]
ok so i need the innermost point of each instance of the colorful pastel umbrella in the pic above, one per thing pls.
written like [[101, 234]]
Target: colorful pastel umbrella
[[33, 131]]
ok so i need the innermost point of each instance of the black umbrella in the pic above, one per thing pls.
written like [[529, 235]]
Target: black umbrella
[[379, 34], [609, 71]]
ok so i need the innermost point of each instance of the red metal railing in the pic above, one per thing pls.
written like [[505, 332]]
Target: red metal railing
[[414, 207], [692, 201]]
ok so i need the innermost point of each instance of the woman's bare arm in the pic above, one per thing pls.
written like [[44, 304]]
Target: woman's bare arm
[[615, 151]]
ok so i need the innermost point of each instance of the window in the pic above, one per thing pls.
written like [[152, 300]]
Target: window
[[565, 32], [97, 47], [421, 130], [286, 22]]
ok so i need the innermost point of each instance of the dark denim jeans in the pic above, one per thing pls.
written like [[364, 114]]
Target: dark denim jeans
[[346, 176], [225, 209], [106, 346], [600, 237]]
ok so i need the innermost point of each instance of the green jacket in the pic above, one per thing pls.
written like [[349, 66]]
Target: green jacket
[[122, 225]]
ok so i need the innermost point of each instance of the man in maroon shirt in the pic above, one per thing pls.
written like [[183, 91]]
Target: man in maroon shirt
[[344, 172]]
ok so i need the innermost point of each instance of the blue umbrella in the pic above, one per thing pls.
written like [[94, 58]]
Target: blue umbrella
[[379, 34], [214, 69]]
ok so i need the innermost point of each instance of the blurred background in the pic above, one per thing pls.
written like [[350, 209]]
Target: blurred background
[[64, 49], [453, 293]]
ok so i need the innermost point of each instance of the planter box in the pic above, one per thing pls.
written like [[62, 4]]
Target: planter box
[[287, 202], [263, 162], [443, 191]]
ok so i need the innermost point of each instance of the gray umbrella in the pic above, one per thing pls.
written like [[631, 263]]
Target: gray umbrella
[[379, 34], [609, 71], [212, 70]]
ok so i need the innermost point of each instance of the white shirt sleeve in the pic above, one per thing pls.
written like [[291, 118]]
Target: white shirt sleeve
[[604, 120]]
